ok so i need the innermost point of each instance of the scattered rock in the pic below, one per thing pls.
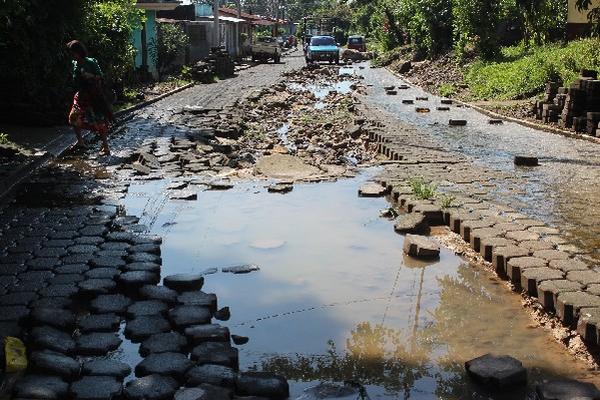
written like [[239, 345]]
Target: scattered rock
[[262, 384], [240, 340], [279, 188], [526, 161], [421, 247], [241, 269], [500, 372], [457, 122], [184, 282], [223, 314]]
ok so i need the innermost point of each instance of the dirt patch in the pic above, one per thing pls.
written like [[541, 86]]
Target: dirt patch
[[285, 166]]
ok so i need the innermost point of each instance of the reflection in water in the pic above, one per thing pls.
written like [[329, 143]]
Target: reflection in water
[[338, 300]]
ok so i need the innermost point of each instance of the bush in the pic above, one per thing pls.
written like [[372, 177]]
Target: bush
[[170, 41], [447, 90], [527, 76]]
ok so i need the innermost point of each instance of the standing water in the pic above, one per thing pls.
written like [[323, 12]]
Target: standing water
[[336, 300]]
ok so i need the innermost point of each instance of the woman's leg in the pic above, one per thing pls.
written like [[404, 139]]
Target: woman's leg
[[80, 141], [104, 137]]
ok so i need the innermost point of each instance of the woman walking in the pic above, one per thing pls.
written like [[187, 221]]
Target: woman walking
[[90, 110]]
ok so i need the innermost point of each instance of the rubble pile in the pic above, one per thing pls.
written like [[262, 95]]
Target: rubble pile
[[312, 117], [576, 107]]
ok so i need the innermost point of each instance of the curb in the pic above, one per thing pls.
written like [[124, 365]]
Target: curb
[[528, 124], [153, 100]]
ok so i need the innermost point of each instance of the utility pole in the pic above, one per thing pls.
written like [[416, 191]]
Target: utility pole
[[216, 27]]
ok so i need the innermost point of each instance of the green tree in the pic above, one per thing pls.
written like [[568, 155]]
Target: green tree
[[170, 42], [475, 24]]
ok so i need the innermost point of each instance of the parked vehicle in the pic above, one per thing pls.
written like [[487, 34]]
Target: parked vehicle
[[266, 48], [323, 48], [357, 43]]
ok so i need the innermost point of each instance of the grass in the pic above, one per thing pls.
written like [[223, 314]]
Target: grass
[[422, 190], [447, 89], [446, 201], [4, 138], [523, 72]]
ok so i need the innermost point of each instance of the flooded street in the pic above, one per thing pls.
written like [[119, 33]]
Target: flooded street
[[561, 192], [335, 298]]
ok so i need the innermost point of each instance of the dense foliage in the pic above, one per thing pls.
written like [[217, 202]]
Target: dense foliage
[[35, 67], [168, 45], [524, 72]]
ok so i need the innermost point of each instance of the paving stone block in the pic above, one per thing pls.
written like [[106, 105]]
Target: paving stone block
[[517, 265], [96, 388], [522, 236], [501, 255], [162, 343], [569, 304], [108, 262], [536, 245], [110, 303], [372, 190], [532, 277], [198, 298], [217, 353], [569, 265], [99, 323], [106, 367], [72, 269], [466, 227], [548, 291], [184, 282], [567, 390], [142, 266], [160, 293], [143, 327], [207, 333], [52, 363], [42, 387], [414, 223], [185, 316], [499, 372], [57, 318], [488, 244], [217, 375], [134, 280], [584, 277], [421, 247], [97, 343], [477, 235], [551, 255], [45, 337], [95, 287], [152, 387], [174, 365], [144, 257], [262, 384], [146, 308], [588, 324]]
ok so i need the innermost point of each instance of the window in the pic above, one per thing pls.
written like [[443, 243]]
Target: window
[[322, 41]]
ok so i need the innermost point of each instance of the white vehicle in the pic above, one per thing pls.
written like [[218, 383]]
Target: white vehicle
[[266, 48]]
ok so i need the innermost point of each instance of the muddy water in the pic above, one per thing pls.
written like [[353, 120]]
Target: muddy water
[[563, 191], [335, 299]]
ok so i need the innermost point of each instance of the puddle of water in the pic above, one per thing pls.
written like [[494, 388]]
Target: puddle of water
[[336, 300], [322, 90], [283, 136]]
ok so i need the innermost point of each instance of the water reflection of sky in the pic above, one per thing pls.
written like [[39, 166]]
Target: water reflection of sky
[[335, 299]]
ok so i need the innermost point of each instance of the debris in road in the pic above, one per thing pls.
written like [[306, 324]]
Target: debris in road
[[526, 161], [457, 122], [241, 269]]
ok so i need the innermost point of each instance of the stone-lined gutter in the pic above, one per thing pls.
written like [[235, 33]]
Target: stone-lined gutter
[[493, 114], [533, 257]]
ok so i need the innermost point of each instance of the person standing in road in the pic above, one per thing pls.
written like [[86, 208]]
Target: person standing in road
[[90, 111]]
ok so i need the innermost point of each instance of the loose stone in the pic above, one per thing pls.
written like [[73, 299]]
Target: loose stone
[[241, 269], [174, 365], [240, 340], [184, 282], [162, 343], [421, 247], [223, 314], [566, 390], [97, 344], [262, 384], [415, 223], [527, 161], [106, 367], [501, 372], [152, 387], [56, 364], [96, 388]]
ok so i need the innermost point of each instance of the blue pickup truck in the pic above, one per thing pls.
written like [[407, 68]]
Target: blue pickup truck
[[322, 48]]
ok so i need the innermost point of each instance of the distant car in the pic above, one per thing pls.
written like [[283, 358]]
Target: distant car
[[323, 48], [357, 43], [266, 48]]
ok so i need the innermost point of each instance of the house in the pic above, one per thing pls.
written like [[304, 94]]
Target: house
[[146, 34], [577, 21]]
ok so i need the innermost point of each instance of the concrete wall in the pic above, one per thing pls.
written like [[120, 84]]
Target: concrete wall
[[577, 17]]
